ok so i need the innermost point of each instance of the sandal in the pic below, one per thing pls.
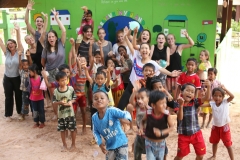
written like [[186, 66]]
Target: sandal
[[41, 125]]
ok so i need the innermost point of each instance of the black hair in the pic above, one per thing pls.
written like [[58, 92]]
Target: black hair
[[24, 60], [149, 65], [146, 44], [192, 59], [89, 12], [155, 96], [101, 72], [100, 91], [187, 84], [60, 75], [161, 34], [33, 68], [144, 90], [218, 89], [214, 70], [101, 68], [152, 80], [97, 52], [86, 27], [122, 47], [48, 45], [63, 66]]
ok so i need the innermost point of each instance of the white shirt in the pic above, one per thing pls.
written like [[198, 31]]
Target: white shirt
[[137, 69], [220, 113]]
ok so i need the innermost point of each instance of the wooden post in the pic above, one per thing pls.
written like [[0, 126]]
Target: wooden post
[[229, 17], [224, 19]]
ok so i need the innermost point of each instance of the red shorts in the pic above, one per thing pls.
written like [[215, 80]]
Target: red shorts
[[80, 101], [222, 133], [196, 140]]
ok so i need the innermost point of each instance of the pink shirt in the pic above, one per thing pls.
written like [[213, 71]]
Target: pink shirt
[[84, 23], [36, 93]]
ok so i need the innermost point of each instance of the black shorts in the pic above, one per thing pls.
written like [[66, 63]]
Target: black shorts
[[67, 123]]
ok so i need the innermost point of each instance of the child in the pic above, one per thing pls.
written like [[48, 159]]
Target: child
[[188, 128], [63, 98], [24, 74], [204, 65], [87, 20], [139, 100], [205, 110], [212, 72], [158, 126], [221, 119], [36, 96], [106, 124], [189, 77]]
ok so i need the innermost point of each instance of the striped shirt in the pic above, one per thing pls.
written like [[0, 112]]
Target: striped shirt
[[83, 49]]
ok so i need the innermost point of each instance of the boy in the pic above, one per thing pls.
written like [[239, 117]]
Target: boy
[[24, 74], [63, 97]]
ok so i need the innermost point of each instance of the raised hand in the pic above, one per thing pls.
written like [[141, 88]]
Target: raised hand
[[28, 53], [125, 31], [30, 4], [72, 41], [185, 33], [84, 8], [16, 26], [99, 44], [135, 30], [55, 13], [180, 101], [45, 15], [20, 53]]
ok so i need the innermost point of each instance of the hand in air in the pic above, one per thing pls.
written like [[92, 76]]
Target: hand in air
[[16, 26], [54, 12], [28, 53], [45, 15], [72, 41], [30, 4], [180, 101]]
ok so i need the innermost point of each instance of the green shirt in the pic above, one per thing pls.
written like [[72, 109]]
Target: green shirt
[[66, 96]]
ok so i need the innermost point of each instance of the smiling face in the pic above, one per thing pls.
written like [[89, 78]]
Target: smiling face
[[142, 99], [29, 40], [25, 66], [145, 36], [157, 86], [160, 106], [191, 66], [52, 38], [203, 56], [147, 71], [218, 97], [101, 34], [88, 17], [11, 45], [39, 22], [100, 79], [170, 39], [100, 100], [110, 63], [188, 93], [120, 37], [88, 33], [161, 39], [145, 50]]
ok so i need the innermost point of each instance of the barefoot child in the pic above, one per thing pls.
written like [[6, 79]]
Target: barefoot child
[[24, 74], [220, 129], [188, 127], [36, 96], [106, 125], [158, 126], [63, 98]]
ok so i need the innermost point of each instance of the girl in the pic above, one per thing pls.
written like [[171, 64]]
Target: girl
[[212, 73], [106, 124], [36, 97], [188, 127], [136, 73], [204, 65], [158, 126], [175, 60], [221, 119]]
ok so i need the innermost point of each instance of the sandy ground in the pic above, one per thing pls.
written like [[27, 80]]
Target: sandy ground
[[20, 141]]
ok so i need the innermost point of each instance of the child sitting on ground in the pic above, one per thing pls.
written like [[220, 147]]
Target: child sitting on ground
[[63, 98], [24, 74], [106, 124]]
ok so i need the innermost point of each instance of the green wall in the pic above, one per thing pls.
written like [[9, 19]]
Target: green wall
[[150, 12]]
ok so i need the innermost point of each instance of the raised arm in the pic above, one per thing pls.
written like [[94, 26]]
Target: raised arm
[[184, 46], [87, 75], [130, 46], [43, 35], [180, 101], [108, 76], [152, 49], [207, 97], [29, 58], [72, 54], [168, 57], [19, 42], [61, 26], [3, 47], [134, 42], [172, 74], [231, 96], [26, 18], [20, 60]]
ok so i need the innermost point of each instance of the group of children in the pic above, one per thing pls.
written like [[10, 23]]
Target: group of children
[[100, 86]]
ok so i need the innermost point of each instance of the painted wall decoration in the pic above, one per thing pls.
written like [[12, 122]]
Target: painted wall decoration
[[64, 16], [193, 15]]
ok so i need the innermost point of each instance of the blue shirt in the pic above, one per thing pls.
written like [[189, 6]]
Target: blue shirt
[[109, 127]]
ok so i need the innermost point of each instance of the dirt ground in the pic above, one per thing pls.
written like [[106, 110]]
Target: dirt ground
[[20, 141]]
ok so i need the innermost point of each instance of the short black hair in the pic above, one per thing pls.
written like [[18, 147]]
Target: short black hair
[[152, 80], [155, 96], [101, 68], [86, 27], [192, 59], [218, 89], [89, 12], [60, 75], [101, 72], [98, 91], [24, 60], [63, 66], [149, 65], [33, 67], [187, 84], [122, 47], [144, 90], [97, 52], [214, 70]]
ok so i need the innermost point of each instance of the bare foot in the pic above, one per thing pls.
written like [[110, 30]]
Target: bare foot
[[212, 158], [64, 149], [73, 149], [84, 131], [207, 125], [130, 132]]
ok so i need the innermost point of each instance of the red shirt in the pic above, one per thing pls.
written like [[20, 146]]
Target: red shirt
[[36, 93], [193, 78]]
